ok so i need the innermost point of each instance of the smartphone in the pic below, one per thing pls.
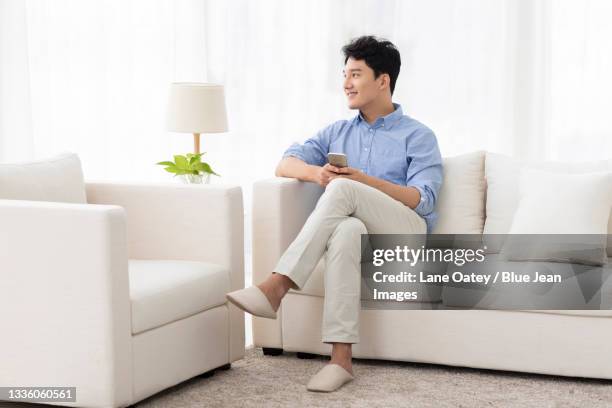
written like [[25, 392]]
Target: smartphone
[[337, 159]]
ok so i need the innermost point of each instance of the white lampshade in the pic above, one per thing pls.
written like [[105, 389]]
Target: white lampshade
[[196, 108]]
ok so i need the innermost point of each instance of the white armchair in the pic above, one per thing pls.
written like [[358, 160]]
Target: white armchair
[[123, 296]]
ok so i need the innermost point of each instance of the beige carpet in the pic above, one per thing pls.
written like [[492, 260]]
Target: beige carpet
[[266, 381]]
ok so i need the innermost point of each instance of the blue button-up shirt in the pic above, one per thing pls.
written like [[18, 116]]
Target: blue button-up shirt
[[395, 148]]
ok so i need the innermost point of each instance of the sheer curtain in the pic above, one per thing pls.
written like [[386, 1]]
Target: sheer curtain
[[526, 78], [580, 95]]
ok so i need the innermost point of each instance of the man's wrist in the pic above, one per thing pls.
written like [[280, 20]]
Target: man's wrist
[[371, 180], [311, 173]]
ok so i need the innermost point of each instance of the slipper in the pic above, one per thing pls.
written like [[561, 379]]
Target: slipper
[[252, 300], [330, 378]]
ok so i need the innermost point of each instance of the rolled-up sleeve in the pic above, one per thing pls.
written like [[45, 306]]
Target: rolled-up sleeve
[[314, 150], [425, 169]]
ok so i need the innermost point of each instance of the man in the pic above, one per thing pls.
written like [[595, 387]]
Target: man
[[390, 186]]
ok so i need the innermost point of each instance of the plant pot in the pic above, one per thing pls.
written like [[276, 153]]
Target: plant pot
[[202, 178]]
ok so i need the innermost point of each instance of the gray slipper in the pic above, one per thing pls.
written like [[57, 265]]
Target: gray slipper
[[330, 378], [253, 301]]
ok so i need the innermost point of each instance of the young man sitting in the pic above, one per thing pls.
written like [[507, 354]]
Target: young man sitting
[[390, 186]]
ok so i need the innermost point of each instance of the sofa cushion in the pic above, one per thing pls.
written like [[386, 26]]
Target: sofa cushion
[[582, 201], [582, 287], [460, 203], [58, 178], [163, 291], [582, 313], [501, 173]]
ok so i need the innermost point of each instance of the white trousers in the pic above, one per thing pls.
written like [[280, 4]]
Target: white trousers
[[346, 210]]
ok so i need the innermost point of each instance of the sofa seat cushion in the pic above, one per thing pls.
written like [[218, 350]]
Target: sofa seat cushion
[[163, 291], [583, 313], [583, 290]]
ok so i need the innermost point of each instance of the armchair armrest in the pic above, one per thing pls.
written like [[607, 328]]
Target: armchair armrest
[[180, 221], [64, 299], [184, 222], [280, 209]]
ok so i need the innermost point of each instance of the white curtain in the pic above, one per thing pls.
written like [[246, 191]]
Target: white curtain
[[522, 77]]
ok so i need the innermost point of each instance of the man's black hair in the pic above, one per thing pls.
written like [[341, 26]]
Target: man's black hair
[[379, 54]]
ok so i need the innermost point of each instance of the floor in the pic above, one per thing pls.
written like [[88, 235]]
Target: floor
[[279, 381]]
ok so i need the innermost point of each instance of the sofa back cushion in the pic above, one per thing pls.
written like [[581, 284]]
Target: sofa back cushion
[[502, 176], [460, 203], [58, 178]]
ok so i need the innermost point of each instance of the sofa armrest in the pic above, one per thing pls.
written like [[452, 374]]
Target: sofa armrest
[[64, 299], [184, 222], [280, 208]]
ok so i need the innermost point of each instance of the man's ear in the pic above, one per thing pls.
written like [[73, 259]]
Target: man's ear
[[385, 81]]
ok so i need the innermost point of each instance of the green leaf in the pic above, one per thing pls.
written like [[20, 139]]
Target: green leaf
[[181, 161], [190, 155], [190, 163], [205, 167]]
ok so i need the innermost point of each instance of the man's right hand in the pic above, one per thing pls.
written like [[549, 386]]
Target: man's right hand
[[296, 168], [322, 175]]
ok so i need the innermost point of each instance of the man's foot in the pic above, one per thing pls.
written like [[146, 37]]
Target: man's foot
[[275, 288], [329, 379], [347, 365], [264, 299], [252, 300], [338, 372], [342, 354]]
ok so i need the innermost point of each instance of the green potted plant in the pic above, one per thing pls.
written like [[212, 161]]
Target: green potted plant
[[190, 168]]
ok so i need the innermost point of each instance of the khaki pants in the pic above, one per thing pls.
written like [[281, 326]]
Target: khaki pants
[[346, 210]]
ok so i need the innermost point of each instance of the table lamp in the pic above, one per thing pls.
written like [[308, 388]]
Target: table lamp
[[196, 108]]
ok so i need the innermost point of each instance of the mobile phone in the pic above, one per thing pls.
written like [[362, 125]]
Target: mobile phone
[[337, 159]]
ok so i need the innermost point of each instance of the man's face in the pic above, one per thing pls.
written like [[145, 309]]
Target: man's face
[[360, 86]]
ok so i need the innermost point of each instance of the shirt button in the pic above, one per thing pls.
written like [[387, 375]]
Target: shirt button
[[365, 148], [371, 130]]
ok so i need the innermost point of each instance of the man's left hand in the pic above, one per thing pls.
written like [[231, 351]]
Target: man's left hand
[[348, 172]]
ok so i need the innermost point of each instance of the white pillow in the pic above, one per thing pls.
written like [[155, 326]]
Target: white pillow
[[460, 203], [58, 178], [562, 205], [502, 178]]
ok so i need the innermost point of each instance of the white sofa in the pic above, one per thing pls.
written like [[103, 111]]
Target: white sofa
[[121, 295], [478, 195]]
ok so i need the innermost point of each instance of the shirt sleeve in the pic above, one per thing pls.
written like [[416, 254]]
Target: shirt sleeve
[[314, 150], [425, 169]]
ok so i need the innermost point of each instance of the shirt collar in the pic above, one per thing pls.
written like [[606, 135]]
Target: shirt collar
[[387, 121]]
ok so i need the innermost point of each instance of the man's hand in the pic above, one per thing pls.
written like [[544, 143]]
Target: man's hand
[[296, 168], [407, 195], [348, 172], [323, 175]]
